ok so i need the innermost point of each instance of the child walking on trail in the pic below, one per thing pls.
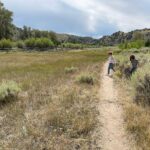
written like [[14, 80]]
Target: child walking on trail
[[111, 62]]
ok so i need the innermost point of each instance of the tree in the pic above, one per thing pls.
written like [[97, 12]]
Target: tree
[[6, 27], [53, 37], [26, 33]]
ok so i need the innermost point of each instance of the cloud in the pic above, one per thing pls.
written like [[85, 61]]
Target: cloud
[[84, 17], [125, 15]]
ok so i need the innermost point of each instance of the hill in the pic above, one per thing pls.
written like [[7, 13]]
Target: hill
[[109, 40], [119, 37], [75, 39], [9, 31]]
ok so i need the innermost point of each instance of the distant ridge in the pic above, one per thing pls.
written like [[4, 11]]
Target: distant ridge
[[76, 39], [119, 37], [110, 40]]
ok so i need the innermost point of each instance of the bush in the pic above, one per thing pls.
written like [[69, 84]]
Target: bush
[[8, 91], [70, 70], [39, 43], [6, 44], [122, 66], [43, 43], [85, 78], [147, 43], [133, 44], [30, 43], [141, 83], [20, 44], [119, 74], [72, 45]]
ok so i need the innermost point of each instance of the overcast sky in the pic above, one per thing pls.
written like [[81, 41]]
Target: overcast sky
[[82, 17]]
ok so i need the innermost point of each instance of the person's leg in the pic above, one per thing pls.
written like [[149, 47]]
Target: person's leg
[[109, 67], [132, 70], [113, 67]]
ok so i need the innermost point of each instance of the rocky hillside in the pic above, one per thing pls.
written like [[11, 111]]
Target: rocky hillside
[[111, 40], [119, 37]]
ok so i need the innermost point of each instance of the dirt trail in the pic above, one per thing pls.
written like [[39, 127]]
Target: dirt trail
[[113, 136]]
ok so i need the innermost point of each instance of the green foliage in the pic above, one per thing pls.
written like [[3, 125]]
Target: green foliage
[[133, 44], [147, 43], [72, 45], [71, 69], [53, 37], [25, 33], [6, 26], [6, 44], [123, 45], [30, 43], [43, 43], [39, 43], [8, 90], [20, 44], [85, 78]]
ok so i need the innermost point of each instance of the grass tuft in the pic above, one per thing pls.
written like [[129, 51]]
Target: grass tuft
[[8, 91], [71, 69], [86, 78]]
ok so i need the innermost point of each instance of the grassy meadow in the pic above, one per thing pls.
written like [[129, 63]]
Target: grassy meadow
[[135, 95], [54, 106]]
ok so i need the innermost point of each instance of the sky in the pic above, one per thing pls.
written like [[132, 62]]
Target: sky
[[94, 18]]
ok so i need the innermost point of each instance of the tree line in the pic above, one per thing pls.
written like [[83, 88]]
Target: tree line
[[26, 37]]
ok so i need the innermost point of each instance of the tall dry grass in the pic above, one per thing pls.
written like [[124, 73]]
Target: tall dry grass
[[135, 97], [53, 111]]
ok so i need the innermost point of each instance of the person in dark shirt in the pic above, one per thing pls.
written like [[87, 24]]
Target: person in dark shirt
[[134, 64]]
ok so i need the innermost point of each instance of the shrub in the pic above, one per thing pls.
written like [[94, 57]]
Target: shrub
[[72, 45], [119, 74], [6, 44], [133, 44], [71, 69], [8, 91], [20, 44], [43, 43], [122, 67], [85, 78], [39, 43], [30, 43], [141, 83], [147, 43]]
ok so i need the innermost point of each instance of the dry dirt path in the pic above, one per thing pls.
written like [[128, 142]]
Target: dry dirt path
[[113, 135]]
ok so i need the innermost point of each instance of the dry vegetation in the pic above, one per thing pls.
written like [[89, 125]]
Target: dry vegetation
[[53, 110], [136, 97]]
